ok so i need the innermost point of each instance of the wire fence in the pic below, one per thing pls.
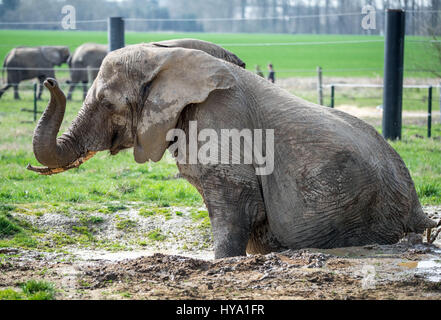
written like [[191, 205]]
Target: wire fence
[[265, 44]]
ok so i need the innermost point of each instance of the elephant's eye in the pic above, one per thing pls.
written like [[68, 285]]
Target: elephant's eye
[[145, 90], [106, 104]]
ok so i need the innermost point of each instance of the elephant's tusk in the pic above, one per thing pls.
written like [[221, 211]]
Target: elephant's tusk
[[49, 171], [433, 238]]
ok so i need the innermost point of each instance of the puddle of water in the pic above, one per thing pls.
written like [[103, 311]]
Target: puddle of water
[[431, 269], [409, 264], [95, 255]]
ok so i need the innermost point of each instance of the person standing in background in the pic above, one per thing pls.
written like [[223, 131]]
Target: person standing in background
[[259, 71], [271, 75]]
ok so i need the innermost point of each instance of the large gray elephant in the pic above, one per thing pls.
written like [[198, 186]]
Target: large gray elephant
[[88, 57], [24, 63], [84, 63], [336, 182]]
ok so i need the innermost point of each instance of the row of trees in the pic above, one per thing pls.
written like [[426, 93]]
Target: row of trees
[[275, 16], [314, 16]]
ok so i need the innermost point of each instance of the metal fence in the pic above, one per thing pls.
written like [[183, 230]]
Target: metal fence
[[429, 89]]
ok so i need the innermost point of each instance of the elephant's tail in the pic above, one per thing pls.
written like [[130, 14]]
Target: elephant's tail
[[69, 61], [419, 221], [4, 67]]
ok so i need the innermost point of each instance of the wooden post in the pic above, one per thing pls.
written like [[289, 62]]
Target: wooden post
[[332, 96], [393, 74], [35, 101], [439, 88], [429, 113], [320, 85], [115, 30]]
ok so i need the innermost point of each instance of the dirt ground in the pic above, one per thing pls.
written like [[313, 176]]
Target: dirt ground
[[410, 269], [372, 272]]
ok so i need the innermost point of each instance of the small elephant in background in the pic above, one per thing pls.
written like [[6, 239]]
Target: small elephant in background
[[85, 61], [24, 63], [91, 55]]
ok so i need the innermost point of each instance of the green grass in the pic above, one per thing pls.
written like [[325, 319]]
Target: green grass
[[7, 227], [156, 235], [361, 56], [15, 232], [198, 214], [125, 224], [30, 290], [423, 159]]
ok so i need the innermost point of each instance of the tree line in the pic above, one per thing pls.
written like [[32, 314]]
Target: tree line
[[271, 16]]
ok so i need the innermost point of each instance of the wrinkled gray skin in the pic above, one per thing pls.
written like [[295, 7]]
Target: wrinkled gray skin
[[87, 58], [32, 57], [336, 181], [91, 55]]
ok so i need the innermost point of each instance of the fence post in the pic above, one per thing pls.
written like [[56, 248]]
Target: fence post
[[332, 95], [393, 74], [439, 88], [35, 101], [115, 30], [320, 85], [429, 113]]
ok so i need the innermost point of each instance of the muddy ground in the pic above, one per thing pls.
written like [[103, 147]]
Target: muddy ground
[[410, 269]]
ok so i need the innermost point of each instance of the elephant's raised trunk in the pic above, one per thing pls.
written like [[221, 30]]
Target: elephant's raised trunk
[[57, 154]]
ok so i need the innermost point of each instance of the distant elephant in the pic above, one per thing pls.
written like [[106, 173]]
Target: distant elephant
[[90, 55], [86, 59], [24, 63], [336, 182]]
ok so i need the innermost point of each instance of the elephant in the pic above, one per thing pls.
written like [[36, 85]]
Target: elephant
[[23, 63], [86, 58], [91, 55], [336, 182]]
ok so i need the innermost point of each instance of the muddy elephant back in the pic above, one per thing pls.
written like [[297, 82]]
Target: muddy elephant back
[[342, 184]]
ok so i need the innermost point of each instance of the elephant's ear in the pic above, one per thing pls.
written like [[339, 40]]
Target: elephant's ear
[[51, 54], [180, 77]]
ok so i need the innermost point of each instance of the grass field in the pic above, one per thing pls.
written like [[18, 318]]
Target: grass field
[[335, 59]]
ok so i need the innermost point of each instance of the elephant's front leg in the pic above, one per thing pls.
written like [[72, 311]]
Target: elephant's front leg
[[71, 89], [40, 87], [16, 95], [233, 212], [85, 89]]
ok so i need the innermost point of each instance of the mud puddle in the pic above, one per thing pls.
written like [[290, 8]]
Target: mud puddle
[[400, 271], [161, 269], [97, 255]]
